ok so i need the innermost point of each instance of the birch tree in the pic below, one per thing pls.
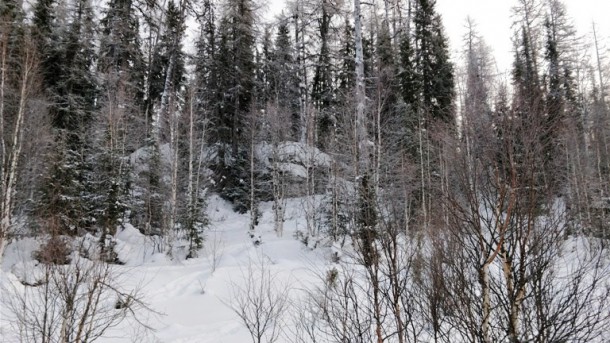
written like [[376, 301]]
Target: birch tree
[[18, 81], [194, 219]]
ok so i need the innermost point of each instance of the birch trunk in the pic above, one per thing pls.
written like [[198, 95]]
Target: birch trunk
[[299, 37], [163, 110], [516, 295], [486, 301], [422, 170], [253, 209], [190, 177], [3, 156], [279, 202], [9, 170], [168, 87], [599, 64], [361, 132], [174, 166]]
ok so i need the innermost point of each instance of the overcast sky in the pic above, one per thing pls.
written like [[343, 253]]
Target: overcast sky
[[493, 19]]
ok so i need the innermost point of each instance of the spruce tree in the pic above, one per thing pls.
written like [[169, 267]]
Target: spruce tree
[[121, 130], [347, 53], [166, 71], [386, 96], [204, 61], [120, 58], [169, 47], [284, 79], [46, 33], [409, 89], [434, 70], [426, 77], [528, 107], [234, 66], [264, 70], [68, 190], [322, 88], [165, 81], [559, 101]]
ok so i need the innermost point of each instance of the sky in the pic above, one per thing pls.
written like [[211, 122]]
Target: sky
[[493, 20]]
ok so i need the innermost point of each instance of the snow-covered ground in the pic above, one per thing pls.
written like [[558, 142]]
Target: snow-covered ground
[[191, 299]]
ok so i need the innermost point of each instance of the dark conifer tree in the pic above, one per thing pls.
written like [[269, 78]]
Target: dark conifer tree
[[322, 88], [167, 50], [528, 106], [528, 97], [560, 103], [407, 72], [122, 129], [165, 81], [389, 109], [347, 53], [434, 70], [409, 89], [264, 71], [284, 78], [234, 65], [204, 61], [425, 75], [68, 190], [427, 87], [46, 33], [121, 60]]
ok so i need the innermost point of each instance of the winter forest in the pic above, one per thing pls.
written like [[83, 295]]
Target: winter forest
[[195, 171]]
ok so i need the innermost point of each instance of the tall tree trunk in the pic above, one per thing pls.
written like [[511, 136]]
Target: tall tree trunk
[[361, 136], [599, 65], [9, 176], [299, 36], [486, 301], [253, 204], [422, 172], [3, 153], [173, 200]]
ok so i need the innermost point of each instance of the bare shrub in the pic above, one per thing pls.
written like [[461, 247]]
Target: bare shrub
[[76, 302], [260, 301], [215, 249], [55, 251]]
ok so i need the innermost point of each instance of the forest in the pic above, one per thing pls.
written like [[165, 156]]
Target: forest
[[462, 204]]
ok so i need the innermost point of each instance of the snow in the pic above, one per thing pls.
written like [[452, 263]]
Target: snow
[[191, 298], [293, 153]]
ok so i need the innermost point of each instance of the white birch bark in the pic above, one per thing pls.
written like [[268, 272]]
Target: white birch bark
[[361, 132], [253, 205], [599, 64], [9, 176], [299, 35], [279, 200], [163, 110], [189, 189], [3, 156], [174, 170]]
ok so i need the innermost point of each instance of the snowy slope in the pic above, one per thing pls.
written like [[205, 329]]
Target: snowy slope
[[192, 300]]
